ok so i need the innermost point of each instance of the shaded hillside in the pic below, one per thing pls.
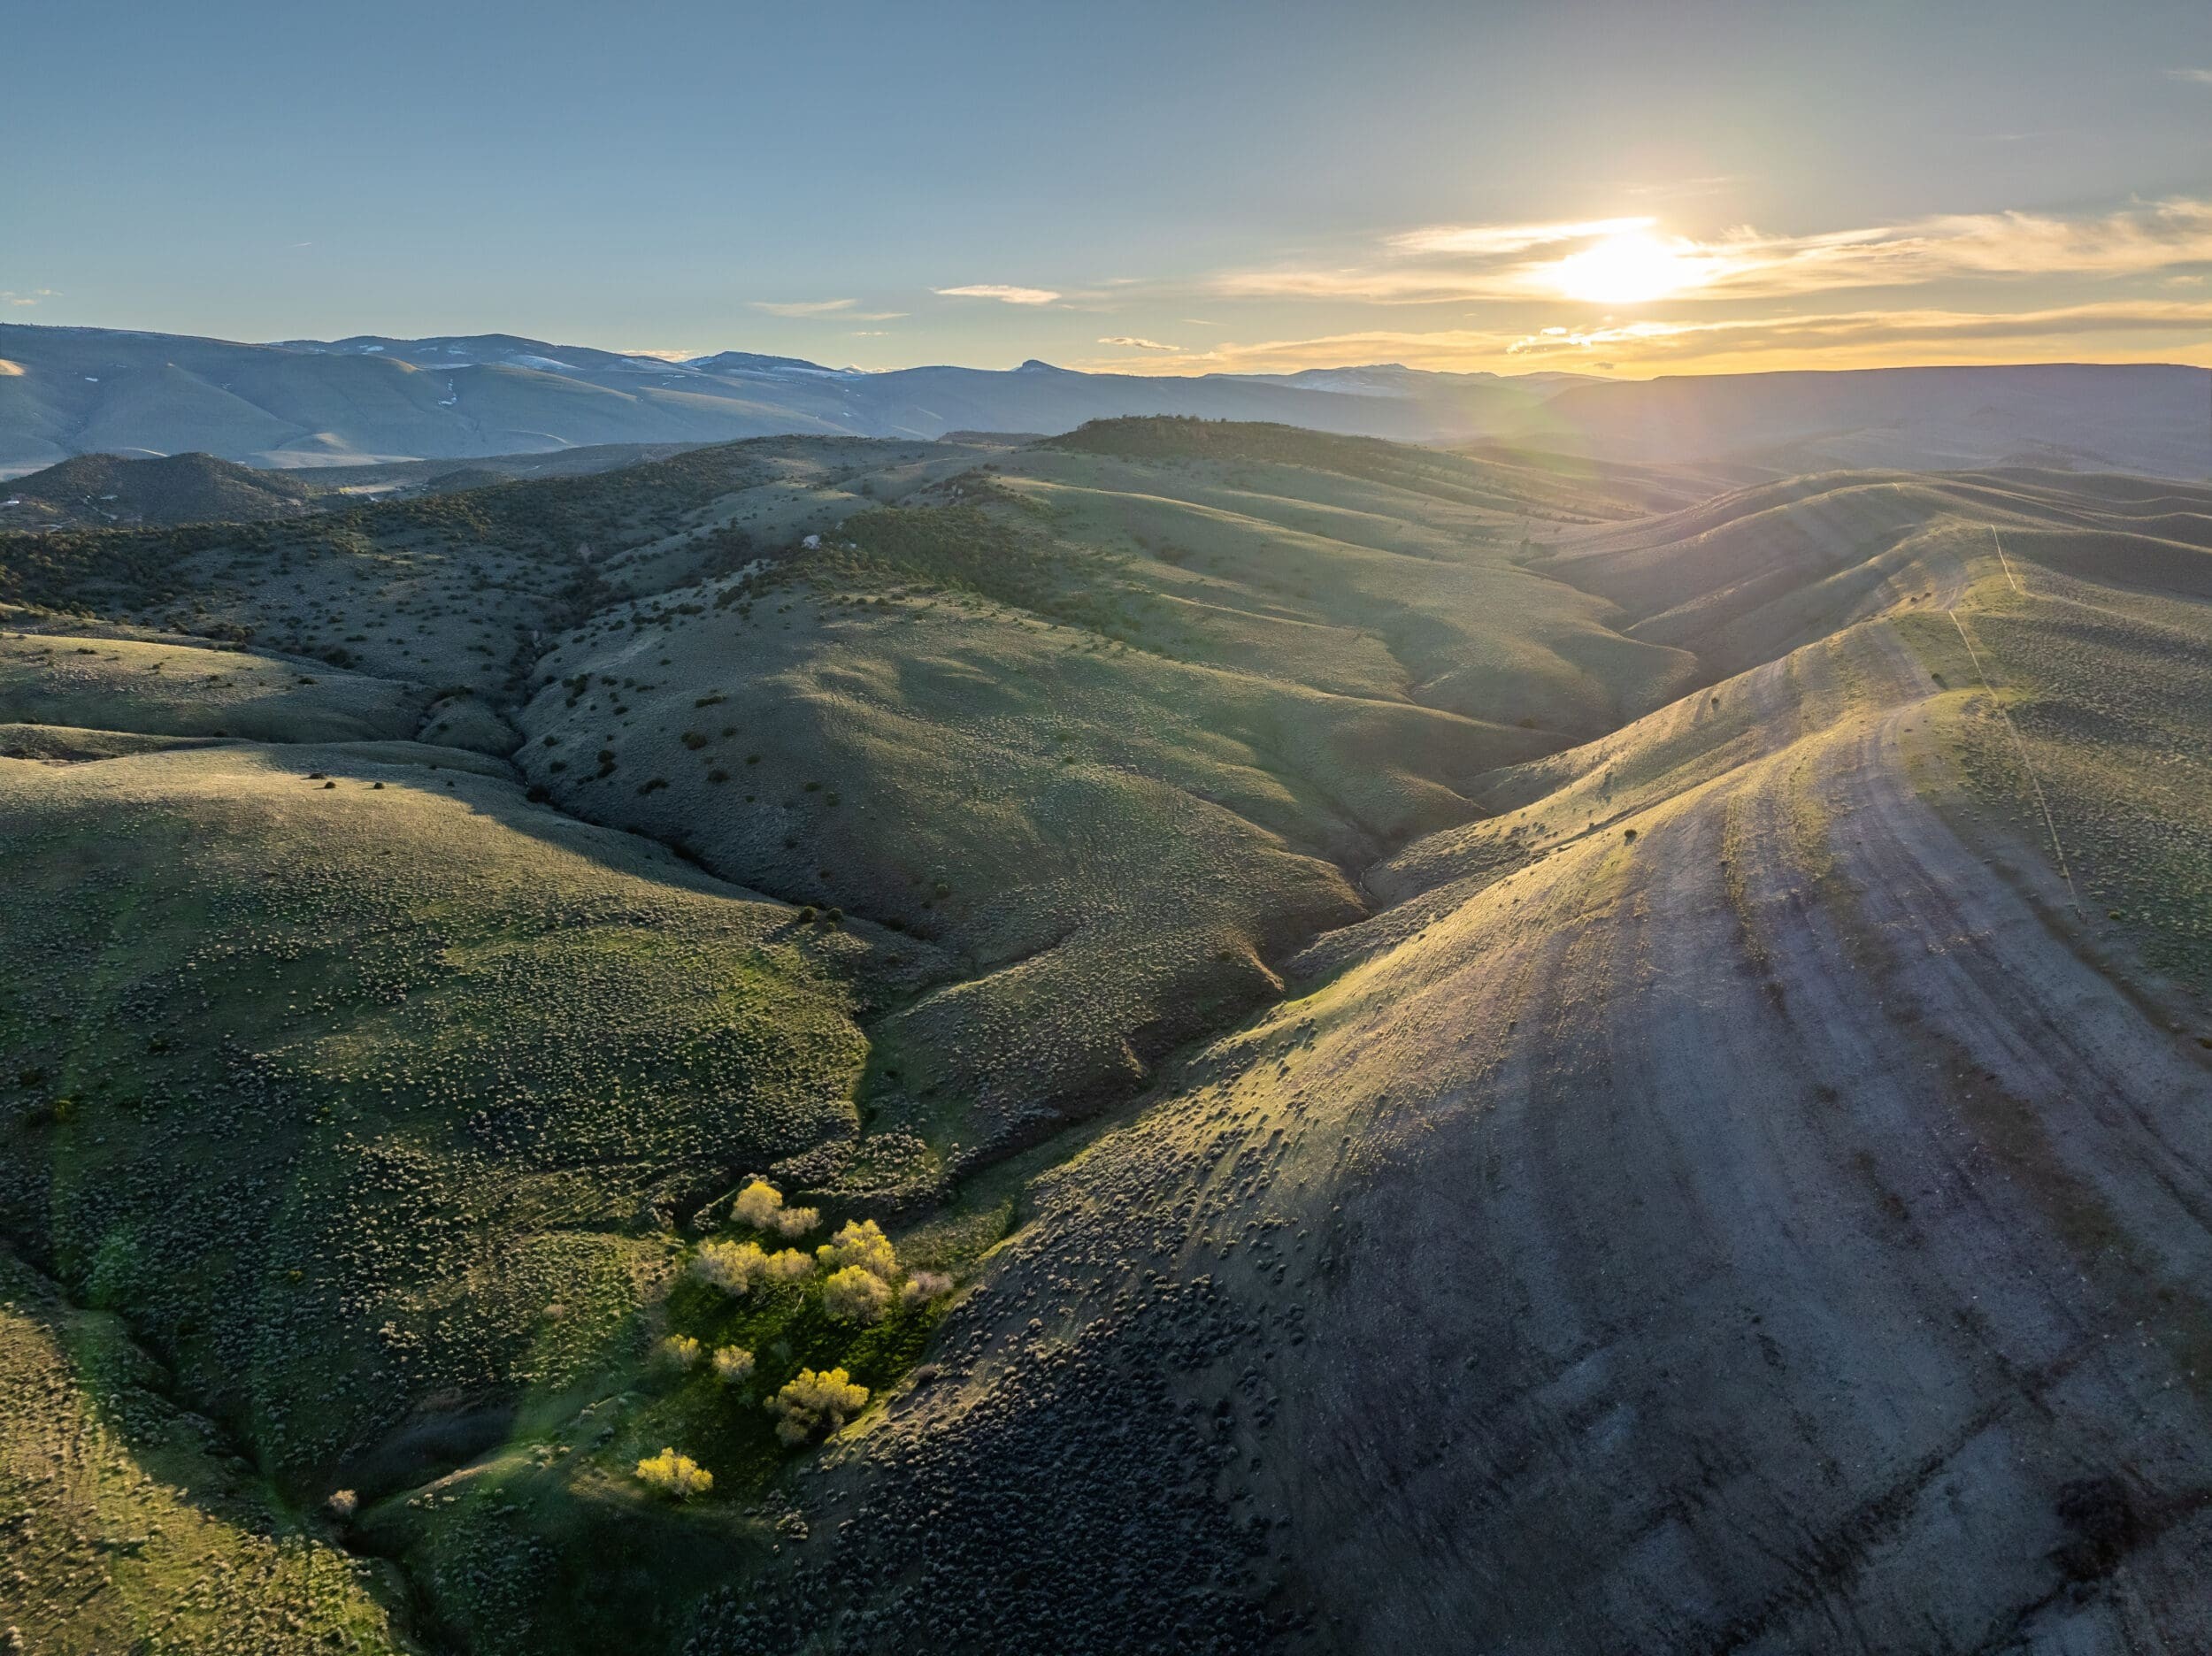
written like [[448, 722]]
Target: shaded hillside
[[2088, 417], [100, 489], [1745, 576], [452, 590], [443, 477]]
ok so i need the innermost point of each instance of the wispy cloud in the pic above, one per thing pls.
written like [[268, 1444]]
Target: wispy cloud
[[1923, 335], [804, 307], [1875, 327], [1134, 343], [662, 353], [1488, 263], [1490, 241], [841, 308], [2201, 77], [1001, 292], [1682, 189], [30, 298]]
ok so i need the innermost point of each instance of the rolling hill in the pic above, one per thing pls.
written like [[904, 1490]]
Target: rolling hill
[[1639, 1028], [95, 490]]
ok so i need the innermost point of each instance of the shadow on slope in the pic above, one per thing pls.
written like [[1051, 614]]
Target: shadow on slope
[[1737, 1137]]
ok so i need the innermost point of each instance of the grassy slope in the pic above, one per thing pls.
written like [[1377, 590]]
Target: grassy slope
[[1711, 1144], [127, 1529], [1226, 680], [453, 590], [159, 689], [1107, 726], [1742, 578], [369, 1105]]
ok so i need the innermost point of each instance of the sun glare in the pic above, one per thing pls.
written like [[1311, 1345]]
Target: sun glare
[[1629, 269]]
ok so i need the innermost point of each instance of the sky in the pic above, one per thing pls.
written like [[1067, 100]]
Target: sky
[[1257, 186]]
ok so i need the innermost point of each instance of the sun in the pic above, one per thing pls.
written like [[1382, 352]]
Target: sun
[[1633, 268]]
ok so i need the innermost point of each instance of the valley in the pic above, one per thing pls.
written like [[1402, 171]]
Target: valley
[[1465, 1045]]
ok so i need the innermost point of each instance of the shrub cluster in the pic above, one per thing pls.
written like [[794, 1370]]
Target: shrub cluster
[[734, 1267], [855, 1294], [680, 1351], [813, 1402], [674, 1473], [760, 1205], [861, 1242]]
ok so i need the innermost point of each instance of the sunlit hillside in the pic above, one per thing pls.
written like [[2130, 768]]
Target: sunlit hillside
[[1010, 1002]]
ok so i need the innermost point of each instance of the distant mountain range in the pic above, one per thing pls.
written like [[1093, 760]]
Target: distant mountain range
[[303, 403]]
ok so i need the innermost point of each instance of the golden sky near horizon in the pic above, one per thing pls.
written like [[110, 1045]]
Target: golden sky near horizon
[[1633, 295], [1154, 187]]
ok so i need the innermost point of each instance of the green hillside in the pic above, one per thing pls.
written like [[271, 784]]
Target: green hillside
[[1574, 1013]]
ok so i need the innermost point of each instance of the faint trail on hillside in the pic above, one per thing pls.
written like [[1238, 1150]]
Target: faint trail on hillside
[[2027, 763], [2002, 558]]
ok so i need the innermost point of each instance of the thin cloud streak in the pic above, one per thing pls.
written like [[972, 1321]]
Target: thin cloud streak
[[1493, 239], [1001, 292], [1923, 334], [2140, 239], [804, 307]]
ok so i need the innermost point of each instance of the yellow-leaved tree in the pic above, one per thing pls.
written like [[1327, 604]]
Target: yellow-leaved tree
[[674, 1473], [815, 1402]]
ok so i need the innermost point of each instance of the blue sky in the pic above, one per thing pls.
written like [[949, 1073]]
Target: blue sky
[[1634, 188]]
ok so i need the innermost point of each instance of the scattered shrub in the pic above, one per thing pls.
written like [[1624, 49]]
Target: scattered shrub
[[861, 1242], [674, 1473], [680, 1351], [732, 1364], [732, 1267], [789, 1265], [761, 1205], [343, 1504], [923, 1285], [856, 1295], [814, 1402]]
